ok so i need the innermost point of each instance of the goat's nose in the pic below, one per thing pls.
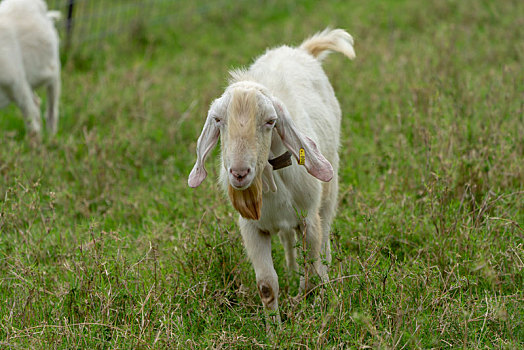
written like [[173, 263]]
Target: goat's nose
[[239, 174]]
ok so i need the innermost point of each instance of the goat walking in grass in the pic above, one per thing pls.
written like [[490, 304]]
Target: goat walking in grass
[[282, 107], [29, 59]]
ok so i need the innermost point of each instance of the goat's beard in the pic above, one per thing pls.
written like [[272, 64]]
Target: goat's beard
[[248, 202]]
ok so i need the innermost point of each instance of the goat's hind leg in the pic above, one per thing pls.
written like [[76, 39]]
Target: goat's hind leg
[[53, 96], [287, 238], [327, 213], [23, 96], [313, 245]]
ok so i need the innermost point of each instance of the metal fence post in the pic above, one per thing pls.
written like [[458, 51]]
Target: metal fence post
[[69, 23]]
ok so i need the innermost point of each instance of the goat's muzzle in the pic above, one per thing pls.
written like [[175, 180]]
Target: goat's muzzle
[[240, 178]]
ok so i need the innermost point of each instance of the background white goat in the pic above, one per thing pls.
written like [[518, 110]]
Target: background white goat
[[283, 102], [29, 59]]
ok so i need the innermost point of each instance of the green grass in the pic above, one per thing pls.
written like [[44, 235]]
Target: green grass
[[103, 245]]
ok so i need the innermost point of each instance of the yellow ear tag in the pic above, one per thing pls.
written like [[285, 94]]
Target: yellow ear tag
[[302, 157]]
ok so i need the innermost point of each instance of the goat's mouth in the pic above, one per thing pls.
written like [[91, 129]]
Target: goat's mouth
[[241, 179], [239, 187]]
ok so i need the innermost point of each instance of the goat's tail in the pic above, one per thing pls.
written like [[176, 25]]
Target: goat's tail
[[322, 43], [55, 16]]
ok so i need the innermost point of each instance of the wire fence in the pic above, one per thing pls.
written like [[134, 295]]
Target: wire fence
[[89, 21], [84, 22]]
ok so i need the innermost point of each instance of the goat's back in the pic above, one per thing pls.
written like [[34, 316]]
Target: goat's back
[[29, 36], [23, 7], [298, 80]]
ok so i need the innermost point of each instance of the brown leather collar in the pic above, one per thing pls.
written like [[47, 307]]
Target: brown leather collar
[[282, 161]]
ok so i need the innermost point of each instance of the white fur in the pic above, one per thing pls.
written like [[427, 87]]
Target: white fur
[[29, 58], [292, 87]]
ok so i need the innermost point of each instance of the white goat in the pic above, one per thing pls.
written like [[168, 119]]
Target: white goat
[[283, 102], [29, 59]]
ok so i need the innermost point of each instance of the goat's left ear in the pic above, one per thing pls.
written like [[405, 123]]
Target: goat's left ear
[[206, 142], [316, 164]]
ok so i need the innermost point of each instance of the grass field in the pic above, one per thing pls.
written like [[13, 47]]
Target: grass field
[[103, 245]]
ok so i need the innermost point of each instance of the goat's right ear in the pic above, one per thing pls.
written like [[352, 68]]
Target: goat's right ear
[[302, 147], [206, 142]]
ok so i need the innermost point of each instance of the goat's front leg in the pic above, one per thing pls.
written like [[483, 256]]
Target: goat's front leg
[[258, 247]]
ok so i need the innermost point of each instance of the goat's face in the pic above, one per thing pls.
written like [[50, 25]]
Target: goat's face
[[246, 130], [244, 117]]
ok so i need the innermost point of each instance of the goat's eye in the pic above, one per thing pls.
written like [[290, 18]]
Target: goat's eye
[[217, 120], [271, 122]]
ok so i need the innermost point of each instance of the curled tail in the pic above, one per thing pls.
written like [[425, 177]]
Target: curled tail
[[55, 16], [322, 43]]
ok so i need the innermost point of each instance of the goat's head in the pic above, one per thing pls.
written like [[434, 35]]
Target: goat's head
[[245, 117]]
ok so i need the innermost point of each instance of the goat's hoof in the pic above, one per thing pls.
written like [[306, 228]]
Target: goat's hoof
[[267, 295], [51, 131], [34, 137]]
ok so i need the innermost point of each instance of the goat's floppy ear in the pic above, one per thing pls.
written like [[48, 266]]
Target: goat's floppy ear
[[316, 164], [206, 142]]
